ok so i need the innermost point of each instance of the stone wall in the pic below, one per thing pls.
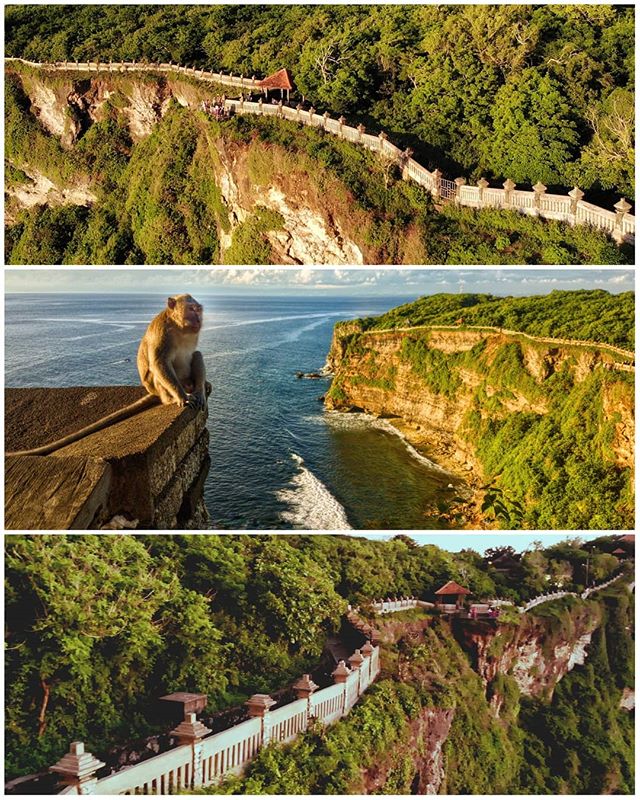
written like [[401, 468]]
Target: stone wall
[[145, 472]]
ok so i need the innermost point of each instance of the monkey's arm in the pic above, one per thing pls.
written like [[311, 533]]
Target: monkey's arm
[[165, 375]]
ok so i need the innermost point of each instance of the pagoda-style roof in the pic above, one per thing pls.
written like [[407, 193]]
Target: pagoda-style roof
[[628, 537], [619, 551], [451, 587], [279, 80]]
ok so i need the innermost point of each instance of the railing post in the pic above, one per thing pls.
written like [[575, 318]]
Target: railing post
[[340, 675], [78, 769], [576, 196], [459, 182], [538, 191], [312, 111], [482, 184], [304, 688], [366, 650], [355, 662], [437, 177], [361, 131], [191, 731], [260, 105], [259, 705], [622, 208], [508, 186], [382, 138]]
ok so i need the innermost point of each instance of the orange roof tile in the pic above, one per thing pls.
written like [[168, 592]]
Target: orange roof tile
[[279, 80], [451, 587]]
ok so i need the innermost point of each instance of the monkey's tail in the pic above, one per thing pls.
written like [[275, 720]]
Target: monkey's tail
[[142, 404]]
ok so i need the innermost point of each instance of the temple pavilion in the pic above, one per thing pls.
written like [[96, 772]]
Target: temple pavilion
[[451, 594]]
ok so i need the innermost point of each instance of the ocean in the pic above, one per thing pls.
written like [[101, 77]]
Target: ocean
[[278, 459]]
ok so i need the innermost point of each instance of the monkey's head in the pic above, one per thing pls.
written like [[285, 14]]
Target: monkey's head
[[185, 312]]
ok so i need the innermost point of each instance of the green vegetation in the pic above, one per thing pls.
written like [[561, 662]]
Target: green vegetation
[[516, 752], [531, 93], [527, 92], [591, 315]]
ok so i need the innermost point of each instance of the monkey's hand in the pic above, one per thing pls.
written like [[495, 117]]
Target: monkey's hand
[[197, 400]]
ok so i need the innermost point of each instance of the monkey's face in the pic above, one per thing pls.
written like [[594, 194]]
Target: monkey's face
[[186, 312]]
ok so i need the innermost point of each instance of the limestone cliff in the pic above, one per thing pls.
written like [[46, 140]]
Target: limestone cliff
[[455, 393], [537, 652]]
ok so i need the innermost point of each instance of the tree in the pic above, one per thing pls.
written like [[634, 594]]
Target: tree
[[533, 135]]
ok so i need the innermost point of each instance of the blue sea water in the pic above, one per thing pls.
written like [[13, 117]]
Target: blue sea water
[[278, 459]]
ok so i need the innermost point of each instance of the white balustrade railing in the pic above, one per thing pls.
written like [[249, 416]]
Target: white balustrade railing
[[555, 207], [206, 761]]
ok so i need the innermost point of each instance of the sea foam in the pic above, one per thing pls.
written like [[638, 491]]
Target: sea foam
[[311, 506]]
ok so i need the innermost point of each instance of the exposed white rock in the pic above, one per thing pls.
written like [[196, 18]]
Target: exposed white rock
[[628, 699], [306, 237], [45, 105], [42, 190]]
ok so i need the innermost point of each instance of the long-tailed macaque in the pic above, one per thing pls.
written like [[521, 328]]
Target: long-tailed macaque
[[170, 367]]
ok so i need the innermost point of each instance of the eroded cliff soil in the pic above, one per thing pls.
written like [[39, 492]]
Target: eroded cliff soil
[[313, 218]]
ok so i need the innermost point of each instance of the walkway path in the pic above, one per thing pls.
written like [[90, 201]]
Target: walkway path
[[570, 208], [542, 339]]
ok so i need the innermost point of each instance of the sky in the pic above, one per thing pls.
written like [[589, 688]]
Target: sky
[[320, 282], [454, 542]]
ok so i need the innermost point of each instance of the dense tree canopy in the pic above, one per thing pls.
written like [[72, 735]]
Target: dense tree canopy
[[526, 92], [592, 315]]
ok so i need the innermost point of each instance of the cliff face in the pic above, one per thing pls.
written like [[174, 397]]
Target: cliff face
[[453, 391], [536, 653], [423, 749], [317, 222]]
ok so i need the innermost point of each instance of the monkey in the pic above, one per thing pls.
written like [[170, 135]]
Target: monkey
[[169, 365], [171, 369]]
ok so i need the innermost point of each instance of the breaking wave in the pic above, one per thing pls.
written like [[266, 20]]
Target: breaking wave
[[311, 506]]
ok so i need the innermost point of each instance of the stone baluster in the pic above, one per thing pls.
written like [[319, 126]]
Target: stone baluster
[[260, 105], [437, 177], [340, 675], [482, 184], [259, 705], [361, 131], [459, 182], [538, 192], [576, 196], [508, 187], [298, 111], [382, 138], [355, 662], [304, 688], [312, 111], [191, 731], [622, 208], [78, 769], [325, 117]]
